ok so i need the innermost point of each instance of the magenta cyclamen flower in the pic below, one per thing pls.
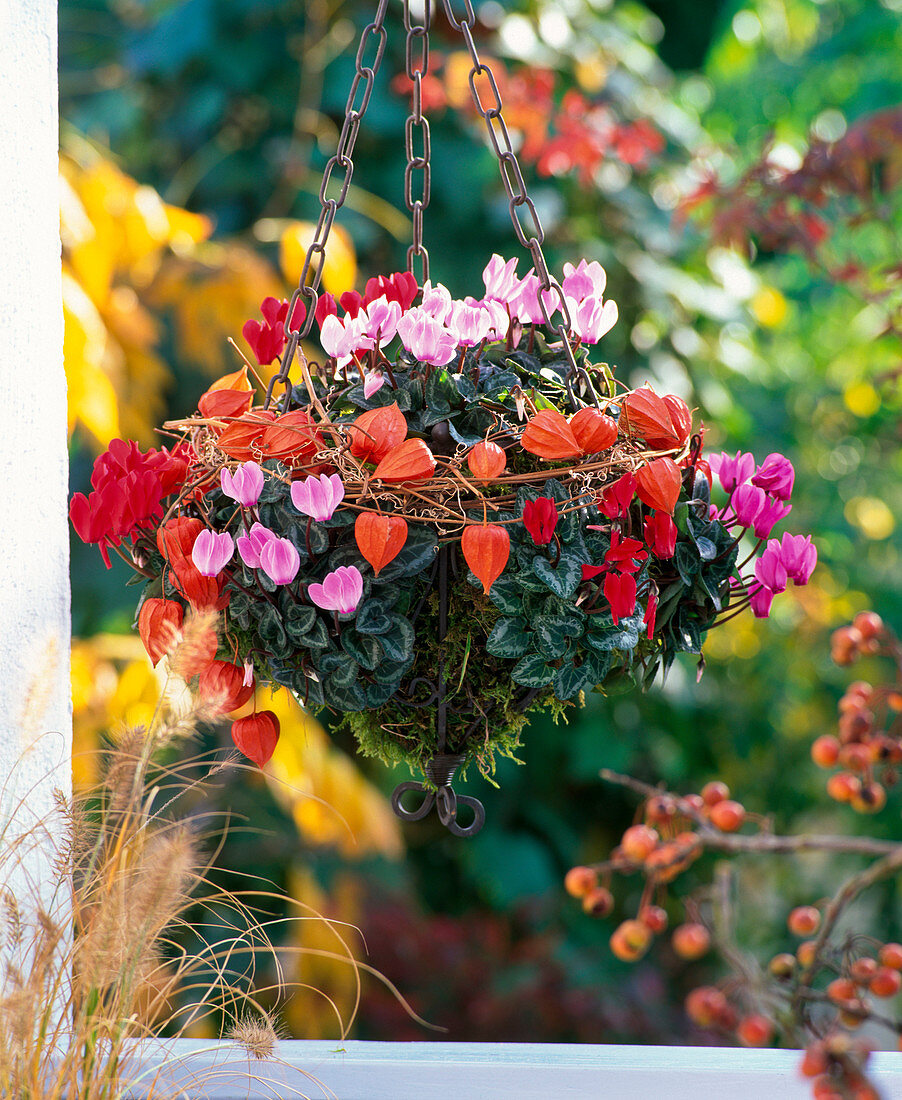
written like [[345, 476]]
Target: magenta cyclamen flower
[[426, 339], [769, 568], [211, 551], [280, 560], [747, 502], [798, 554], [340, 591], [760, 601], [318, 497], [732, 470], [591, 318], [373, 383], [586, 280], [437, 301], [245, 485], [775, 476], [769, 516], [250, 546]]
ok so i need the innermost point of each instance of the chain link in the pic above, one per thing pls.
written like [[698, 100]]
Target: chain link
[[527, 226], [416, 62], [373, 38]]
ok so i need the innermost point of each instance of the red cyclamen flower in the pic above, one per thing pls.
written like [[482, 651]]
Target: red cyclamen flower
[[540, 518], [660, 534], [616, 499], [267, 337], [620, 592]]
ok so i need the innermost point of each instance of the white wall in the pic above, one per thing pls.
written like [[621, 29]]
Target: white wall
[[35, 710]]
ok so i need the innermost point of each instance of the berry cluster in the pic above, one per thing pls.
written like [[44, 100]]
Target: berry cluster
[[868, 743]]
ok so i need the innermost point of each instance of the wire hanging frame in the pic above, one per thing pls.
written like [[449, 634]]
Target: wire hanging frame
[[438, 794]]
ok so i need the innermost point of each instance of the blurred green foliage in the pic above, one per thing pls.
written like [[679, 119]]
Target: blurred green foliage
[[231, 107]]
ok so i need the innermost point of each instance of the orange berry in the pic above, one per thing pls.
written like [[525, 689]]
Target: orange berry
[[639, 841], [886, 982], [805, 953], [868, 624], [691, 941], [891, 955], [659, 809], [853, 1014], [755, 1031], [598, 902], [825, 750], [841, 991], [782, 966], [579, 881], [665, 863], [862, 970], [815, 1061], [705, 1005], [804, 920], [855, 756], [654, 918], [727, 816], [714, 792], [843, 787], [630, 940], [694, 802], [870, 799]]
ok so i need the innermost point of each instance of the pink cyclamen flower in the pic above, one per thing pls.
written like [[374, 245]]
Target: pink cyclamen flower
[[586, 280], [760, 601], [373, 382], [280, 560], [747, 501], [247, 679], [500, 278], [769, 568], [524, 302], [318, 497], [426, 339], [342, 338], [769, 516], [379, 321], [732, 470], [437, 301], [211, 551], [591, 318], [245, 485], [340, 591], [798, 554], [775, 476], [250, 546]]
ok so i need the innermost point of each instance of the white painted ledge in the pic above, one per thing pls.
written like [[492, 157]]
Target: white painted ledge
[[195, 1070]]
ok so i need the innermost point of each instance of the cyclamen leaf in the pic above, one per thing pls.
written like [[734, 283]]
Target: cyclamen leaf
[[532, 671], [563, 579], [509, 638]]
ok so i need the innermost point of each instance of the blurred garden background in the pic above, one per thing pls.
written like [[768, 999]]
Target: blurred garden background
[[736, 167]]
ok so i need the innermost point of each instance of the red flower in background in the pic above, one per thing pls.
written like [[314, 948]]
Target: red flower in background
[[540, 518], [267, 337], [129, 487]]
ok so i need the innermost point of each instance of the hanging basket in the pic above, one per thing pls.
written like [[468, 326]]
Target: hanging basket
[[453, 518]]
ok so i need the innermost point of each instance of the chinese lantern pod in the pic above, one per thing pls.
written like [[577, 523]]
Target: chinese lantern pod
[[658, 484], [222, 687], [593, 430], [680, 417], [241, 440], [230, 395], [409, 461], [257, 736], [378, 431], [159, 622], [487, 460], [379, 538], [648, 416], [486, 548], [292, 436], [549, 436]]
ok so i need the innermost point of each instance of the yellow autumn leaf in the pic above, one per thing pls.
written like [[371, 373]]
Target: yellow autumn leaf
[[769, 307], [339, 264], [861, 399], [91, 394]]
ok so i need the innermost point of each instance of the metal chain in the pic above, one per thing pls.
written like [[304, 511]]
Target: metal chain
[[416, 61], [364, 76], [532, 236]]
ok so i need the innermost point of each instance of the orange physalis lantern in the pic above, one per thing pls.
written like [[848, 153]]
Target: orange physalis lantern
[[486, 548], [658, 484], [222, 687], [230, 395], [159, 622], [292, 436], [241, 439], [649, 416], [549, 436], [593, 430], [257, 736], [680, 416], [380, 538], [409, 461], [376, 432], [487, 460]]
